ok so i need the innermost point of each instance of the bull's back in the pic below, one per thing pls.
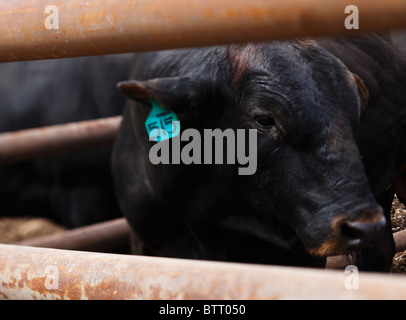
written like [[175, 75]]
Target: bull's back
[[382, 131], [399, 41]]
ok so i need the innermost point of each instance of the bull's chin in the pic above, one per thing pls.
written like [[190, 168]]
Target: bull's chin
[[331, 248], [336, 247]]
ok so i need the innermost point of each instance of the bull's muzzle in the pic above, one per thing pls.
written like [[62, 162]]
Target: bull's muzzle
[[352, 232], [359, 234]]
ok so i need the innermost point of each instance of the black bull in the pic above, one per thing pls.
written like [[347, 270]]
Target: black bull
[[330, 117]]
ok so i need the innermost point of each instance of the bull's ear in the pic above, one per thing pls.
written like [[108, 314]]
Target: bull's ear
[[362, 90], [172, 93]]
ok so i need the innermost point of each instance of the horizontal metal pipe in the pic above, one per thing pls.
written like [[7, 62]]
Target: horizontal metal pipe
[[37, 273], [25, 145], [99, 237], [339, 262], [400, 240], [91, 27]]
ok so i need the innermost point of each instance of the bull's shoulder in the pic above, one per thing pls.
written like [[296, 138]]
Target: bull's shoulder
[[371, 52], [372, 57]]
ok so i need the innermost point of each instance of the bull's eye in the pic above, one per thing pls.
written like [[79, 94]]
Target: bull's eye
[[264, 121]]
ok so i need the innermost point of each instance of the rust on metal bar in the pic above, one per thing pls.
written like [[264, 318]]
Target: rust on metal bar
[[99, 237], [400, 240], [38, 273], [339, 262], [25, 145], [118, 26]]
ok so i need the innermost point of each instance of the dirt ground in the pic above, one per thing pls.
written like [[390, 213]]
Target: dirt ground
[[16, 229], [398, 218]]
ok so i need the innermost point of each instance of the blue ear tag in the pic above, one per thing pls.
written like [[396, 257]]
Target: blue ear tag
[[160, 123]]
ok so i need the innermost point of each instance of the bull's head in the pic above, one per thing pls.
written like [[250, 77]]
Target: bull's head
[[306, 107]]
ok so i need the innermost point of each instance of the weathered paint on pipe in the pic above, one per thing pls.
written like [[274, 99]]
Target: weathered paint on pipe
[[400, 240], [25, 145], [99, 237], [339, 262], [34, 273], [94, 27]]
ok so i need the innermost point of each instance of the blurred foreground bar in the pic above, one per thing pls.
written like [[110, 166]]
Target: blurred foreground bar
[[38, 273], [91, 27]]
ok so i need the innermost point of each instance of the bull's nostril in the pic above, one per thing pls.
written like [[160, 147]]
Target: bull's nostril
[[360, 233], [348, 232]]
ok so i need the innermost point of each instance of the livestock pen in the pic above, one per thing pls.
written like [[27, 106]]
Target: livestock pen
[[88, 28]]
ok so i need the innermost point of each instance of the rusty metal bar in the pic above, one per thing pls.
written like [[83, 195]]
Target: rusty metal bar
[[339, 262], [99, 237], [400, 240], [94, 27], [37, 273], [25, 145]]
